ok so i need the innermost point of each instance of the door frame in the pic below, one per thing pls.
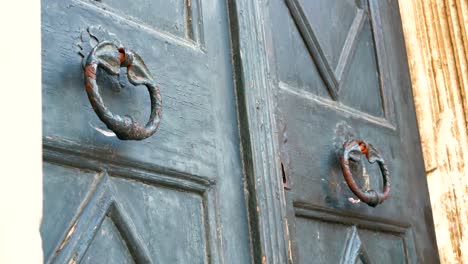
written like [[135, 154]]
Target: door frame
[[258, 130]]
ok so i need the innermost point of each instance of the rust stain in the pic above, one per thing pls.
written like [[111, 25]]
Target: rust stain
[[90, 72], [362, 146], [89, 85], [121, 55]]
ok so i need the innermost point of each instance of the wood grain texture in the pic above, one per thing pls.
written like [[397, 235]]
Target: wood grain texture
[[261, 161], [181, 190], [437, 46], [309, 122]]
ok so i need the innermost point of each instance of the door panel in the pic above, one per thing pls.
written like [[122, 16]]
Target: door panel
[[174, 20], [109, 240], [316, 237], [176, 197], [340, 70], [60, 207], [187, 100]]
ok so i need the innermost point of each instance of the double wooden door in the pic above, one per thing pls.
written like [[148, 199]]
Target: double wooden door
[[250, 106]]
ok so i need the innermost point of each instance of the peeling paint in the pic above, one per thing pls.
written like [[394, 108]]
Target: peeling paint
[[67, 237]]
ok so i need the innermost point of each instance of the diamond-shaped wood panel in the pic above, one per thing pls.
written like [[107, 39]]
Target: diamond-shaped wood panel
[[108, 246], [354, 249], [328, 236], [101, 206], [333, 42]]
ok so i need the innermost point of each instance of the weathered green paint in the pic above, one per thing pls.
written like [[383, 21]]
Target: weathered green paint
[[175, 197], [255, 92], [338, 68]]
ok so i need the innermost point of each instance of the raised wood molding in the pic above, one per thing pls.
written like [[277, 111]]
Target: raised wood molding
[[436, 35], [265, 193]]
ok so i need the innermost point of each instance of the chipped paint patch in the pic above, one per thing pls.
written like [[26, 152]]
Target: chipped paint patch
[[104, 132], [73, 259], [67, 238], [353, 201]]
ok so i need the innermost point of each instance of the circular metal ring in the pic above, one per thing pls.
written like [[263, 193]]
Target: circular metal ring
[[111, 58], [370, 197]]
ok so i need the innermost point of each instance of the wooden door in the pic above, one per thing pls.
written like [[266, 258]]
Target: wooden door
[[174, 197], [308, 76], [339, 71]]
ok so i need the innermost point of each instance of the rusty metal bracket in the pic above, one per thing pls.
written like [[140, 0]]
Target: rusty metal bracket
[[111, 57], [352, 149]]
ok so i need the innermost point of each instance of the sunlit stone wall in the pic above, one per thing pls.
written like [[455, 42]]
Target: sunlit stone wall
[[436, 35]]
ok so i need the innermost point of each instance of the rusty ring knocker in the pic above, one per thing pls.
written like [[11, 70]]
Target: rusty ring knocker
[[370, 197], [112, 57]]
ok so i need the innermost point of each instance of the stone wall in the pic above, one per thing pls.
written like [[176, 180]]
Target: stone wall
[[436, 35]]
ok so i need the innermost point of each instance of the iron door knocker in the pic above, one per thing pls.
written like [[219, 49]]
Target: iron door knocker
[[360, 147], [111, 57]]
